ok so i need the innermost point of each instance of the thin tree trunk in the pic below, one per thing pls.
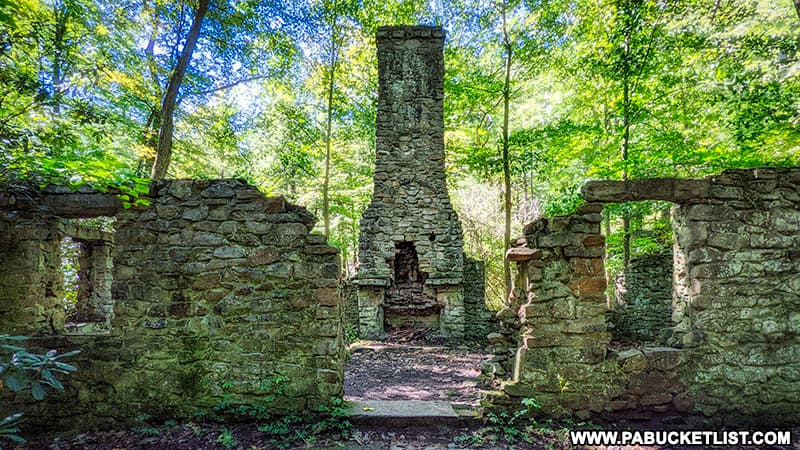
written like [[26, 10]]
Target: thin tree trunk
[[326, 213], [797, 7], [506, 164], [164, 151], [626, 119], [716, 9], [150, 132], [149, 139], [61, 13]]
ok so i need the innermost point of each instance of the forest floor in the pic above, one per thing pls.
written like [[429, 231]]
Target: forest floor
[[407, 367], [248, 436], [413, 370], [402, 369]]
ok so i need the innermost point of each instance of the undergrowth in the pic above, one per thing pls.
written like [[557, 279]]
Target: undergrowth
[[283, 431], [509, 429]]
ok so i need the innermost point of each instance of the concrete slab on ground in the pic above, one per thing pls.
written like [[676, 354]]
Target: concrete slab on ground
[[405, 413]]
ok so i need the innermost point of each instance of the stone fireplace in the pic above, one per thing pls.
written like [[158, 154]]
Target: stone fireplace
[[411, 262]]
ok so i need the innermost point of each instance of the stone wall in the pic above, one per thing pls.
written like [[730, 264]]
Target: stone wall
[[559, 296], [556, 348], [737, 293], [478, 321], [410, 213], [218, 293], [642, 308], [349, 294], [736, 309], [31, 284]]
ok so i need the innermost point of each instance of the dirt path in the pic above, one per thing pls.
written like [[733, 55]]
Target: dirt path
[[385, 371]]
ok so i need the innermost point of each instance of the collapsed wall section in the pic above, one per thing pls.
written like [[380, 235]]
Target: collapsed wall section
[[220, 296], [559, 333]]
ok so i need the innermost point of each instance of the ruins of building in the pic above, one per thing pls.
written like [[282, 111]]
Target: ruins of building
[[411, 260], [735, 331], [213, 293], [216, 293]]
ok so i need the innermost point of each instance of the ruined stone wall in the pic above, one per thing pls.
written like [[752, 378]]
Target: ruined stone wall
[[478, 321], [218, 293], [736, 309], [560, 290], [642, 310], [349, 294], [737, 293], [554, 345], [31, 284]]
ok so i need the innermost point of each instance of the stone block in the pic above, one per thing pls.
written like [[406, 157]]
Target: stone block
[[195, 214], [521, 254], [229, 252], [589, 286], [583, 252], [594, 241]]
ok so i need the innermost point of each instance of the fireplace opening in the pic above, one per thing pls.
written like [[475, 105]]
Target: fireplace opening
[[407, 303]]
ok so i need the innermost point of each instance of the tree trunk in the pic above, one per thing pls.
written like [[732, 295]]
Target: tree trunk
[[150, 131], [626, 128], [797, 7], [506, 163], [626, 218], [326, 213], [716, 9], [164, 151], [149, 139], [61, 12]]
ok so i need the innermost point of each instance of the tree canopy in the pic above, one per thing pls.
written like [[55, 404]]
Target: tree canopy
[[540, 95]]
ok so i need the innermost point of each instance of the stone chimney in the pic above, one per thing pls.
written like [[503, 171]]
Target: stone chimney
[[411, 261]]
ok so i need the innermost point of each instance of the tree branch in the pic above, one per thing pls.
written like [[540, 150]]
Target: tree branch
[[224, 86]]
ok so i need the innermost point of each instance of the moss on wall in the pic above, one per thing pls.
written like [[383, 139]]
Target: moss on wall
[[218, 292]]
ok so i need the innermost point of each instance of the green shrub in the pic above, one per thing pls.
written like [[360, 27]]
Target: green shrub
[[226, 439], [21, 370]]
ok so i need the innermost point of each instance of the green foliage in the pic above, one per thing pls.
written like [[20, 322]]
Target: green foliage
[[283, 431], [290, 430], [350, 334], [505, 427], [710, 88], [70, 267], [149, 429], [257, 409], [651, 232], [21, 370], [24, 370], [9, 428], [226, 439], [511, 428]]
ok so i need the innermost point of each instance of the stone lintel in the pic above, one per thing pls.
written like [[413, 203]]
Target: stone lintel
[[444, 281], [667, 189], [69, 205]]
